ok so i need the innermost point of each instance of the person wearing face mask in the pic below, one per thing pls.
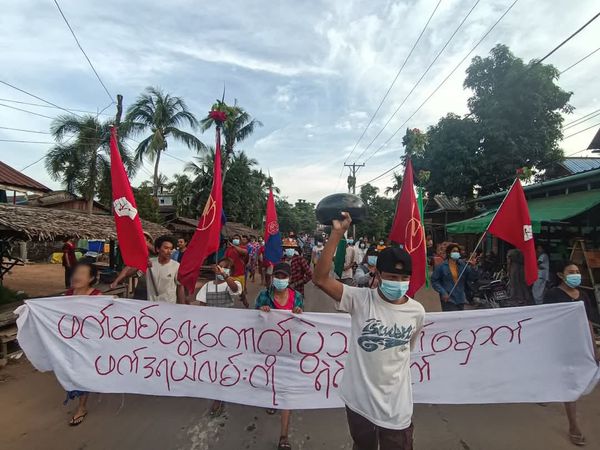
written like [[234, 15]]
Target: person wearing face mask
[[238, 253], [385, 324], [448, 283], [300, 270], [281, 296], [360, 251], [316, 252], [366, 272], [221, 292], [381, 245], [568, 291]]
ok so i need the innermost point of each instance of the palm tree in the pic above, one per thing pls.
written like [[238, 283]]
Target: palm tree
[[82, 161], [238, 127], [161, 114], [182, 190], [395, 188]]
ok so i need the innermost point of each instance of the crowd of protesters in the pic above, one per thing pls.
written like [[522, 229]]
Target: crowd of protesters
[[371, 285]]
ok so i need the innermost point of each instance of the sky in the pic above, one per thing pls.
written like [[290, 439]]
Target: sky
[[312, 72]]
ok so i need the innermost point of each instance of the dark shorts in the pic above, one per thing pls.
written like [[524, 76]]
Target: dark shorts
[[368, 436]]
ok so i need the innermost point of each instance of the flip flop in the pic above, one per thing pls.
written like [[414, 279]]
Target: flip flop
[[76, 420], [271, 411], [578, 439]]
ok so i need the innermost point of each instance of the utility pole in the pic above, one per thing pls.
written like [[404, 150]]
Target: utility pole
[[352, 185]]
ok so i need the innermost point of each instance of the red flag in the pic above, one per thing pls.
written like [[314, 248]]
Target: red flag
[[512, 224], [207, 236], [407, 230], [127, 220], [273, 245]]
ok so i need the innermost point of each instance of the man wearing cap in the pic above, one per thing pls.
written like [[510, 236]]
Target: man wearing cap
[[281, 296], [385, 324], [300, 270]]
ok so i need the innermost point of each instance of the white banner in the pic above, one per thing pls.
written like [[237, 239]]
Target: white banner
[[276, 359]]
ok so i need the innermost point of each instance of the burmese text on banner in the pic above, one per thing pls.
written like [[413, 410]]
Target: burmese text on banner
[[276, 359]]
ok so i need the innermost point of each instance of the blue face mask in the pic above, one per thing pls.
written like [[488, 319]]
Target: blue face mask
[[289, 252], [236, 242], [350, 241], [372, 260], [455, 255], [393, 290], [280, 284], [573, 280], [226, 271]]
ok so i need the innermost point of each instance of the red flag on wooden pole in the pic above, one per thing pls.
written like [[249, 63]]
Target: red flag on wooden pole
[[512, 224], [207, 236], [407, 230], [127, 220]]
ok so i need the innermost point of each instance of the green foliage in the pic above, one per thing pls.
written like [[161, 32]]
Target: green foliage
[[163, 115], [514, 121], [380, 214], [182, 190], [9, 296], [146, 203], [81, 158], [299, 217]]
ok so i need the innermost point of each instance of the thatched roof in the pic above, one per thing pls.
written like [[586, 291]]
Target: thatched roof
[[45, 224], [186, 226]]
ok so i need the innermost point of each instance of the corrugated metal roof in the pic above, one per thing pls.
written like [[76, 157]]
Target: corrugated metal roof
[[13, 178], [577, 165], [446, 203]]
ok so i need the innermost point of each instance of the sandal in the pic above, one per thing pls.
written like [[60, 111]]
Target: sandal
[[76, 420], [284, 443], [271, 411], [577, 439]]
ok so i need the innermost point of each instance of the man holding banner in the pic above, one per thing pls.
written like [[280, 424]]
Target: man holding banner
[[385, 322]]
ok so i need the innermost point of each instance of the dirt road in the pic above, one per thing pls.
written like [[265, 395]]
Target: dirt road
[[32, 417]]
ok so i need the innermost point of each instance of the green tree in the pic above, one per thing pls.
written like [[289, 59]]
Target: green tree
[[182, 190], [306, 217], [380, 213], [81, 161], [452, 155], [518, 109], [238, 127], [414, 142], [146, 202], [162, 115], [394, 188]]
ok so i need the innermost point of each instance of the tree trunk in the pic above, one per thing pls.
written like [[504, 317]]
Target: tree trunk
[[155, 186]]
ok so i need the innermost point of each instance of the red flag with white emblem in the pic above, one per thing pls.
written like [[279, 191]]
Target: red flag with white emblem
[[207, 236], [512, 224], [127, 220], [407, 230]]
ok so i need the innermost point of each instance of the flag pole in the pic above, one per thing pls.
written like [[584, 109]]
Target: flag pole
[[481, 239]]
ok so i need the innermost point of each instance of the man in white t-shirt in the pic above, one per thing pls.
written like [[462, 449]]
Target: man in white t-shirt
[[161, 283], [376, 385]]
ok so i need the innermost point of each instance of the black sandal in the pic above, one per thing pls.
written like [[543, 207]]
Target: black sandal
[[77, 420], [271, 411], [284, 443]]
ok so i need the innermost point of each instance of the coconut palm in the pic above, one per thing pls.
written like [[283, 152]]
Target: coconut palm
[[238, 127], [395, 188], [162, 115], [81, 161]]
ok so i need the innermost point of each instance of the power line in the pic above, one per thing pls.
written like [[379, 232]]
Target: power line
[[83, 51], [16, 141], [33, 163], [25, 131], [27, 111], [394, 80], [379, 176], [568, 39], [420, 79], [49, 106], [445, 79], [582, 117], [581, 131], [35, 96], [581, 60], [591, 115]]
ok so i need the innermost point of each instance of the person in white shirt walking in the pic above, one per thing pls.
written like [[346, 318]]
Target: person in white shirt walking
[[161, 283], [385, 324]]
